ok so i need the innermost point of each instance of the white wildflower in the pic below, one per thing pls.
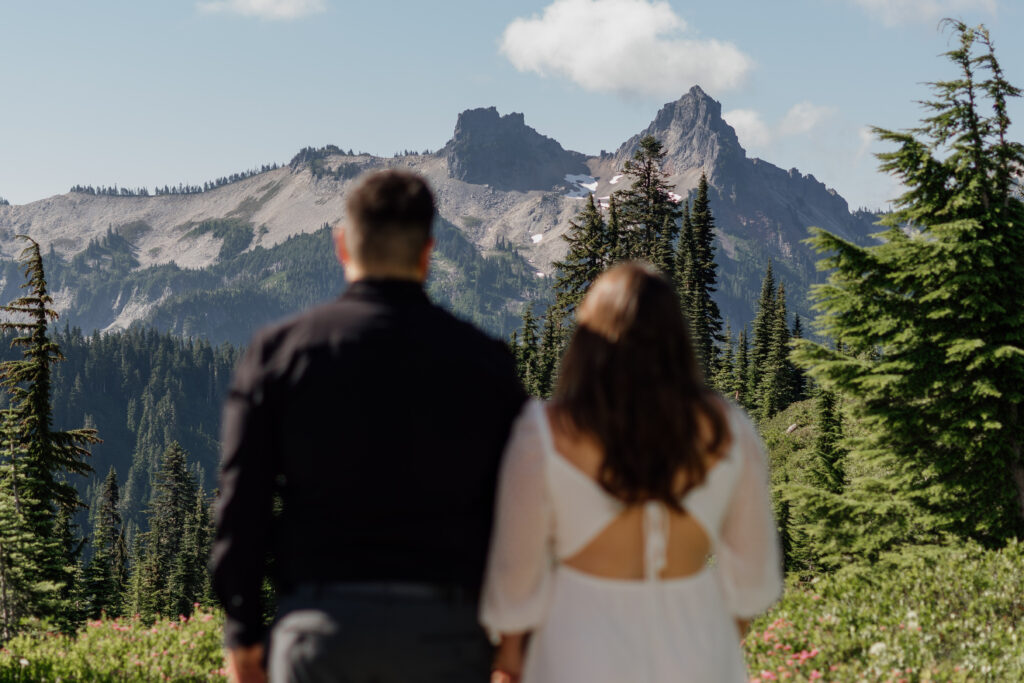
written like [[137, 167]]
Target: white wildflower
[[876, 649]]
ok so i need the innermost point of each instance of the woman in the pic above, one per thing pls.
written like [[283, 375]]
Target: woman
[[612, 498]]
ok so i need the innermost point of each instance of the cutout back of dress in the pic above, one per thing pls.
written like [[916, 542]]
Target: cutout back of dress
[[597, 534]]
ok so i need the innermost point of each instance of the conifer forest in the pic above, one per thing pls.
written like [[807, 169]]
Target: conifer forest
[[892, 418]]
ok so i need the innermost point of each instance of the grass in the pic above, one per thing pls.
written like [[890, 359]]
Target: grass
[[954, 615], [108, 650]]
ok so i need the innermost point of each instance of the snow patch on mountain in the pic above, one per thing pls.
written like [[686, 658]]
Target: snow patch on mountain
[[585, 184]]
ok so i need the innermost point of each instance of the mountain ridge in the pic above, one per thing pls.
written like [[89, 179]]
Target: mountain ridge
[[499, 182]]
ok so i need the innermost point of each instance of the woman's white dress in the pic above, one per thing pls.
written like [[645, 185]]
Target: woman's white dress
[[589, 629]]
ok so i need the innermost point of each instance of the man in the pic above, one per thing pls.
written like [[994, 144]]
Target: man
[[379, 420]]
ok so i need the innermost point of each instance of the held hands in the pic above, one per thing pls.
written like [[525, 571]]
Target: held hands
[[508, 659], [245, 665]]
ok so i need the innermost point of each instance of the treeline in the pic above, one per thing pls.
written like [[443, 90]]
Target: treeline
[[54, 573], [645, 222], [4, 202], [917, 383], [180, 188]]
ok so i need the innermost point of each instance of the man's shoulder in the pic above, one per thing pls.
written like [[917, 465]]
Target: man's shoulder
[[469, 336]]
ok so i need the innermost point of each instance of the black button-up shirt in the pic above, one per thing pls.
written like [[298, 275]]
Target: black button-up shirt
[[380, 420]]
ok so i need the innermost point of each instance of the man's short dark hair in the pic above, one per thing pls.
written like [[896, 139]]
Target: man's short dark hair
[[389, 219]]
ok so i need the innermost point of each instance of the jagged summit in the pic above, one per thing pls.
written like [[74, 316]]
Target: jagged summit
[[505, 153], [695, 136]]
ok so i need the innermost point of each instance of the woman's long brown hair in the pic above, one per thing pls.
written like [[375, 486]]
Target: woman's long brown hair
[[630, 378]]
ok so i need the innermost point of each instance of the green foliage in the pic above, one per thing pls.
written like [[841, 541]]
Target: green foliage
[[931, 322], [37, 462], [106, 574], [648, 214], [236, 233], [589, 254], [948, 615], [171, 575], [705, 318], [114, 650]]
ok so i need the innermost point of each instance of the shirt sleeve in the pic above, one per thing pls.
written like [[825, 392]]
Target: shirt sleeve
[[521, 561], [243, 510], [749, 555]]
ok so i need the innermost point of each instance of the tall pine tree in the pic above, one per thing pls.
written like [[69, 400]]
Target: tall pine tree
[[45, 457], [707, 319], [933, 322], [646, 209]]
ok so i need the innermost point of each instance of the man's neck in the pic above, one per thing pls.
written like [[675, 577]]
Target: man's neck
[[353, 275]]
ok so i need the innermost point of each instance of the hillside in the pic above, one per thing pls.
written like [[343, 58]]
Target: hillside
[[505, 193]]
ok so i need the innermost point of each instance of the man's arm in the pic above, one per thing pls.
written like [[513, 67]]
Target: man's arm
[[244, 507]]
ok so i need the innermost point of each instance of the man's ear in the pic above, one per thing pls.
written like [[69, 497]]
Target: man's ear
[[340, 248], [425, 257]]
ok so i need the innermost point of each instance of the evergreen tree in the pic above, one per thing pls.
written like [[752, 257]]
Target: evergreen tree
[[798, 389], [106, 574], [707, 319], [686, 269], [933, 323], [587, 256], [764, 321], [168, 569], [646, 209], [742, 369], [615, 239], [23, 553], [828, 470], [552, 343], [528, 352], [777, 372], [45, 457], [725, 373]]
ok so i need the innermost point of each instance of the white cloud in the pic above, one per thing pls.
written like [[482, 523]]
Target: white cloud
[[894, 12], [802, 118], [753, 132], [631, 47], [265, 9]]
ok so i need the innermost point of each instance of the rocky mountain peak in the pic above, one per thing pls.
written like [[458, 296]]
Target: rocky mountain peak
[[694, 134], [505, 153]]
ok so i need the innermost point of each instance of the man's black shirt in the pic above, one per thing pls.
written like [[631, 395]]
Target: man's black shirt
[[380, 420]]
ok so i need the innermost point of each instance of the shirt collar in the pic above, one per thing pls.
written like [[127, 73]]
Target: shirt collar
[[389, 289]]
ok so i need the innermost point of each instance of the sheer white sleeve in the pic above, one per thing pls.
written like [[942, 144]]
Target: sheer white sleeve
[[749, 555], [521, 560]]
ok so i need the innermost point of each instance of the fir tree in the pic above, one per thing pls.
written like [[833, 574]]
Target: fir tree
[[45, 457], [798, 388], [552, 343], [585, 259], [23, 553], [686, 268], [777, 371], [933, 323], [725, 373], [828, 471], [165, 576], [528, 352], [762, 330], [742, 369], [707, 319], [646, 209], [106, 574]]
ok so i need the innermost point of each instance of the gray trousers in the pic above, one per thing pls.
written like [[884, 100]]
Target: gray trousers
[[369, 636]]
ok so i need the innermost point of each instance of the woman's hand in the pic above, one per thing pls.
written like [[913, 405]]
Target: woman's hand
[[508, 659]]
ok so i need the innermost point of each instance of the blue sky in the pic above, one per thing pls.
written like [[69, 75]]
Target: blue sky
[[168, 91]]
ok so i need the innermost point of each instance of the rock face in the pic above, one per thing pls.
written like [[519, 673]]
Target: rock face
[[505, 153], [695, 138]]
